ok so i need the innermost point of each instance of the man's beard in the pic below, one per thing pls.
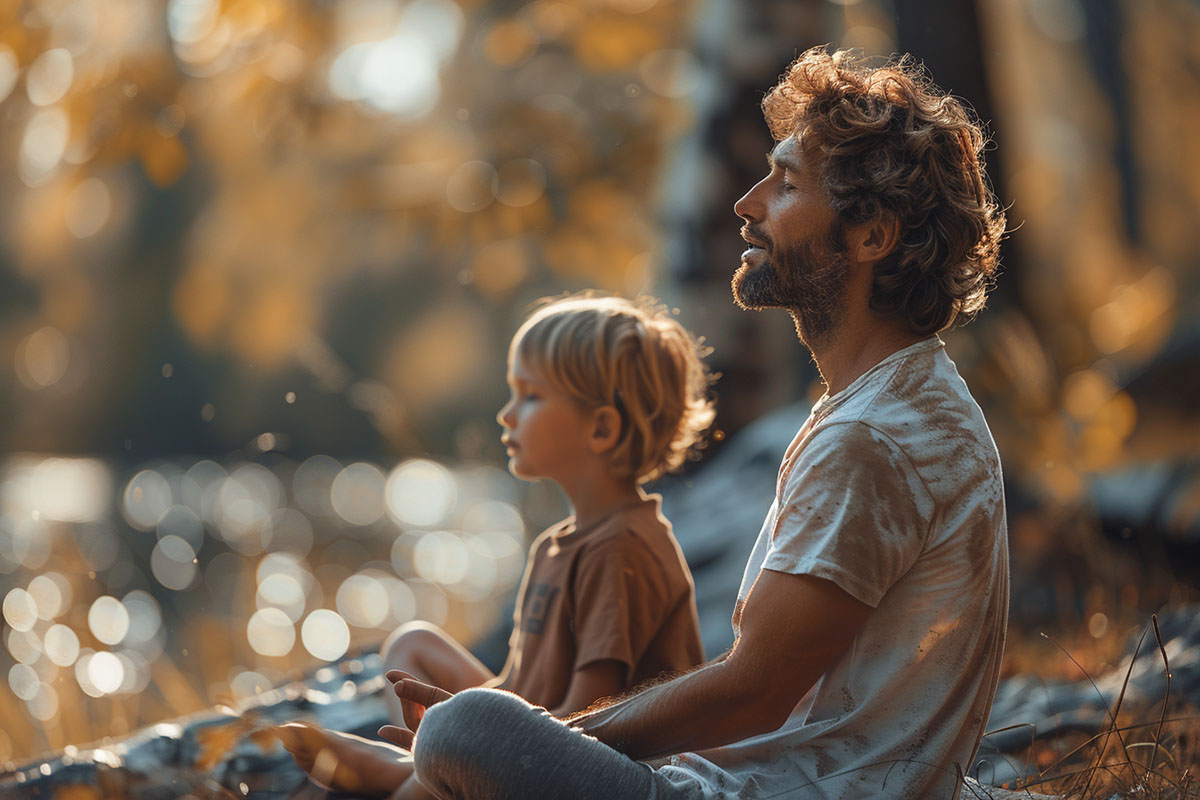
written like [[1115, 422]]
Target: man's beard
[[808, 280]]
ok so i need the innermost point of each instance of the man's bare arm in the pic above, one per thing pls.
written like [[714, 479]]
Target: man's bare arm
[[793, 627], [603, 678]]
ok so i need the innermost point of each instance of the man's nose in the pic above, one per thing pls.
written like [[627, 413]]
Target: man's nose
[[750, 207]]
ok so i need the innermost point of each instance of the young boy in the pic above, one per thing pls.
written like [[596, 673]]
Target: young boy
[[605, 395]]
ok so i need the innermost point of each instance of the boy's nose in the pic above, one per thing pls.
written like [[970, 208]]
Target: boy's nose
[[504, 415]]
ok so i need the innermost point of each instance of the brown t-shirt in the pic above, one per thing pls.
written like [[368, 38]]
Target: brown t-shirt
[[618, 589]]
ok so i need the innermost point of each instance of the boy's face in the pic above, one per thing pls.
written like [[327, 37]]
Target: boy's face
[[546, 430]]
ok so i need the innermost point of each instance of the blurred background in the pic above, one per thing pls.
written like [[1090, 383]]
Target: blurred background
[[260, 261]]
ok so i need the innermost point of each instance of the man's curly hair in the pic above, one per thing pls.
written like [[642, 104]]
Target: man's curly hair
[[892, 143]]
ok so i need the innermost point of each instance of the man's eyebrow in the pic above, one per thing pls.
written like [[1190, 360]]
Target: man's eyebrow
[[783, 161], [786, 161]]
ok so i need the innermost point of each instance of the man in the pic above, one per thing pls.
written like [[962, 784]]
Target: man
[[870, 623]]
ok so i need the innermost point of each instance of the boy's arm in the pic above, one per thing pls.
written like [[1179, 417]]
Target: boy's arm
[[793, 627], [604, 678]]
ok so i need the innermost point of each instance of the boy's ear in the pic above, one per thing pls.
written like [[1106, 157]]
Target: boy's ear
[[606, 429], [872, 241]]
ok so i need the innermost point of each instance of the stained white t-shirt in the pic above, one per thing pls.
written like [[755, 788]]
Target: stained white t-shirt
[[892, 490]]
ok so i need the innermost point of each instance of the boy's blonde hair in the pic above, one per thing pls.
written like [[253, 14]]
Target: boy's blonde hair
[[633, 356]]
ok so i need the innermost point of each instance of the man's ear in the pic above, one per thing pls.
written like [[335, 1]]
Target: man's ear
[[874, 240], [606, 429]]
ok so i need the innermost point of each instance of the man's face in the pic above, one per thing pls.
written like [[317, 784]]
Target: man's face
[[796, 260]]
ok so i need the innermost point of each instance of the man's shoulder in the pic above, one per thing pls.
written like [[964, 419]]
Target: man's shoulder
[[918, 398], [921, 409]]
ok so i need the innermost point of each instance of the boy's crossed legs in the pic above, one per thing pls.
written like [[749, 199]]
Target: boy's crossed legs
[[346, 762]]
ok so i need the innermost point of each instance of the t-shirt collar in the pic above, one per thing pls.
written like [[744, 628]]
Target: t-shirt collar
[[828, 402], [571, 529]]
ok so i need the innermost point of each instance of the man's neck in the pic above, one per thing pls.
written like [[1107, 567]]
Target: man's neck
[[855, 346]]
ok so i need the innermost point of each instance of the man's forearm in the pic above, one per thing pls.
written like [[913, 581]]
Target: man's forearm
[[710, 707]]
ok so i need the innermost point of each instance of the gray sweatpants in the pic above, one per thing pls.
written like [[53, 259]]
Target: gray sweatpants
[[484, 744]]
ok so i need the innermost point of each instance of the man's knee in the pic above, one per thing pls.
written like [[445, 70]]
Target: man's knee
[[462, 732]]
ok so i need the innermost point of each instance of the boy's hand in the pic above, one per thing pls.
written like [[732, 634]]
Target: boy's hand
[[415, 698]]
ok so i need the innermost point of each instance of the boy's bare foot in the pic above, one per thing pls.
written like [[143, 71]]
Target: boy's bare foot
[[344, 762]]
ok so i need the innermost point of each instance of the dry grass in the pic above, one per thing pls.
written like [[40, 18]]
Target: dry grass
[[1147, 754]]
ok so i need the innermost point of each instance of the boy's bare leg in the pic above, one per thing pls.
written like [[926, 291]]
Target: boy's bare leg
[[430, 655], [348, 763]]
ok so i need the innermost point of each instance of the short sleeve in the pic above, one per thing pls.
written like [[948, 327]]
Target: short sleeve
[[619, 598], [853, 511]]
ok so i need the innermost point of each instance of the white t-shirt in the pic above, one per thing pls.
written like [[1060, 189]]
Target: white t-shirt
[[892, 490]]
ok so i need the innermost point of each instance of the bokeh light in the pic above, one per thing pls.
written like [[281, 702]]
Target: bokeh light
[[61, 645], [20, 610], [88, 208], [420, 493], [43, 358], [23, 681], [43, 706], [135, 672], [108, 620], [146, 498], [288, 530], [173, 562], [325, 635], [145, 616], [270, 632], [82, 676], [248, 683], [57, 489], [245, 503], [670, 73], [441, 557], [313, 483], [425, 36], [200, 487], [46, 137], [402, 602], [284, 592], [184, 523], [49, 77], [470, 186], [48, 596], [24, 646], [105, 671], [363, 601], [357, 494]]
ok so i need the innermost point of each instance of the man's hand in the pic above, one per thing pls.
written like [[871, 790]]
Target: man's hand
[[415, 698]]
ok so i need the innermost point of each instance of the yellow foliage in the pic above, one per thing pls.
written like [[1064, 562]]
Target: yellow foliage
[[501, 266], [509, 43], [271, 323], [77, 791], [164, 158], [438, 357], [611, 43], [202, 301]]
